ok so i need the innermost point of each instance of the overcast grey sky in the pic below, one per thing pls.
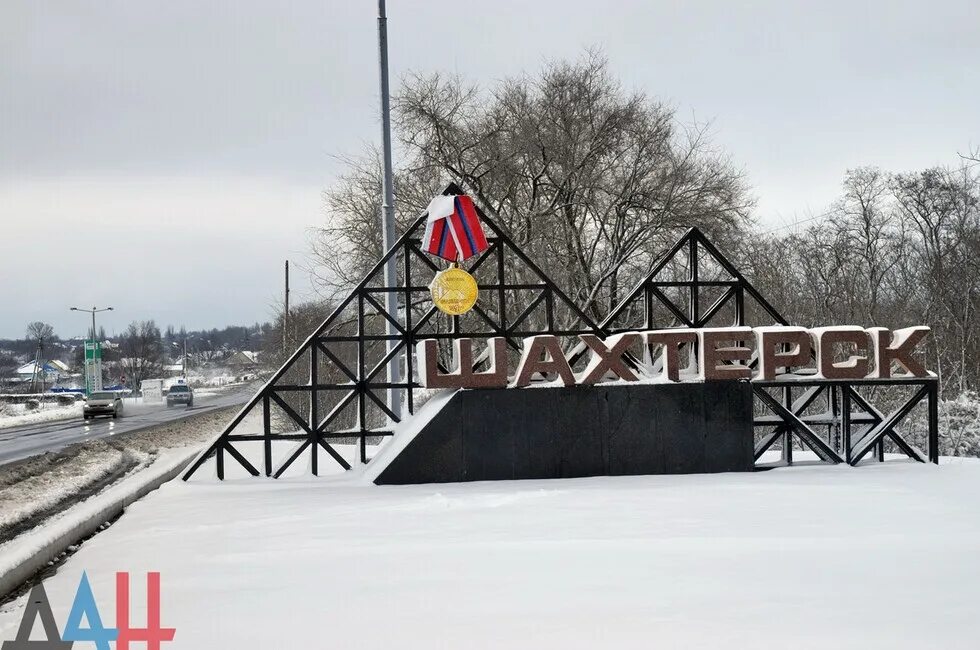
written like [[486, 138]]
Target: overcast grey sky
[[166, 157]]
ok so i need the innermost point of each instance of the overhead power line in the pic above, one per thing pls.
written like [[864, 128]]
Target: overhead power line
[[795, 223]]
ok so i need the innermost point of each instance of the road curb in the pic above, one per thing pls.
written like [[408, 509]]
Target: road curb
[[35, 550]]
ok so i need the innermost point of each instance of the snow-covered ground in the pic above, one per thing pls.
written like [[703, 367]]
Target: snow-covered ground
[[15, 415], [880, 556], [49, 486], [40, 484]]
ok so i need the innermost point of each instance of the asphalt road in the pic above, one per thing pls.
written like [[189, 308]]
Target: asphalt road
[[22, 442]]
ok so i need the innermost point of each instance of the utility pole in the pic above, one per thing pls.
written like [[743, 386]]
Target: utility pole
[[38, 352], [285, 314], [388, 218]]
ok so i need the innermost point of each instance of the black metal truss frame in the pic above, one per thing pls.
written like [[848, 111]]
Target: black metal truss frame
[[363, 382], [854, 427], [651, 290], [860, 427]]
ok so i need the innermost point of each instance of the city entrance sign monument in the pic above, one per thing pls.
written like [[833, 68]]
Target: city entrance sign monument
[[711, 376]]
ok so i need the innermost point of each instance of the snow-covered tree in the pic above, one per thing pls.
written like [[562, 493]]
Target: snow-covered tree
[[960, 424]]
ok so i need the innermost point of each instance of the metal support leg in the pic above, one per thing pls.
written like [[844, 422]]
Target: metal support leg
[[934, 422], [788, 436]]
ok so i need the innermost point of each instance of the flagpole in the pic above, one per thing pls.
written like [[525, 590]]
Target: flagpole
[[388, 217]]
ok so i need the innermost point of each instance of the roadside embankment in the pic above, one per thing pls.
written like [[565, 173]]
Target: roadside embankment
[[50, 502]]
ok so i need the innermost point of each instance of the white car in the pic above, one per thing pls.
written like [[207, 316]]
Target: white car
[[102, 403], [180, 394]]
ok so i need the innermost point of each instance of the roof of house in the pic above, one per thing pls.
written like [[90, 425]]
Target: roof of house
[[27, 369], [241, 357], [48, 367], [58, 365]]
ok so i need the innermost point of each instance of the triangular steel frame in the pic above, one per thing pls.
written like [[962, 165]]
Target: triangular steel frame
[[697, 249], [362, 383]]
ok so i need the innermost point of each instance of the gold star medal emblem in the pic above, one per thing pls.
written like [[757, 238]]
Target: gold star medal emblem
[[454, 291]]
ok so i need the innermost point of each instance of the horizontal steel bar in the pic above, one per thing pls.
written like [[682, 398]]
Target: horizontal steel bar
[[249, 437], [293, 437], [773, 420], [692, 283], [425, 289], [867, 381]]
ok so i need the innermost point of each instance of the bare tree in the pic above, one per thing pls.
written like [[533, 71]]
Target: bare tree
[[972, 157], [39, 331], [592, 181], [942, 209], [304, 318], [348, 244], [142, 351], [894, 250]]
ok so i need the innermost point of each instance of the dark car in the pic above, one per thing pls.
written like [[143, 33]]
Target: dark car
[[180, 394], [102, 403]]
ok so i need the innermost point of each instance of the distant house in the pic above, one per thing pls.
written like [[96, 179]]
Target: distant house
[[61, 366], [242, 361], [26, 371], [173, 370], [50, 371]]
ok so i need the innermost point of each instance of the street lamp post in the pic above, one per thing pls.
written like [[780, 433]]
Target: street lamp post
[[183, 363], [388, 218], [92, 311], [96, 380]]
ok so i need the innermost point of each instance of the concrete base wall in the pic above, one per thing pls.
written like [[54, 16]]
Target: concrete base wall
[[582, 431]]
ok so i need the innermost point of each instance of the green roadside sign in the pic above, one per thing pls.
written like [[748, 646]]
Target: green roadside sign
[[93, 366]]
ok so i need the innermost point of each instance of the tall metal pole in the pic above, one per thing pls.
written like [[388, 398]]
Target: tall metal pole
[[285, 314], [388, 217]]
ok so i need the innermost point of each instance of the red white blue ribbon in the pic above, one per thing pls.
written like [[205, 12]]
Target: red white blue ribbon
[[453, 230]]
